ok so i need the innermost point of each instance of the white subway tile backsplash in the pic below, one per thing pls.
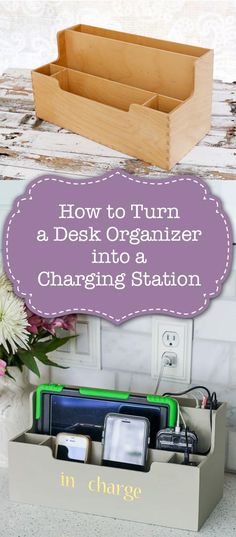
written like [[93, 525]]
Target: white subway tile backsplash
[[135, 382], [142, 383], [123, 381], [139, 325], [82, 376], [218, 322], [125, 350], [232, 367], [229, 287], [211, 361]]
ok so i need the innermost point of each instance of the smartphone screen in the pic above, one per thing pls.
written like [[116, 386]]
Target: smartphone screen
[[152, 413], [125, 440], [72, 449]]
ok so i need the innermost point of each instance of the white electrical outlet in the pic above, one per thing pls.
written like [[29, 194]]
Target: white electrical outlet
[[172, 337]]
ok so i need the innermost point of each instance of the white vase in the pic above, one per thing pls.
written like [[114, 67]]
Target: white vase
[[14, 408]]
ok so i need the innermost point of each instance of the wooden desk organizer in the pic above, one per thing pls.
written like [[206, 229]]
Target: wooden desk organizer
[[145, 97], [169, 494]]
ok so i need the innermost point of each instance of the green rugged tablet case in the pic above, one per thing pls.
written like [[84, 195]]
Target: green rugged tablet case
[[108, 394]]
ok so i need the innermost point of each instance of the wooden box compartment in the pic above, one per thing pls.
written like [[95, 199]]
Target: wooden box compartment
[[145, 97], [168, 494]]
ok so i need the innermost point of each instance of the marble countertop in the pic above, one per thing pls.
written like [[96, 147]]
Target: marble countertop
[[21, 520]]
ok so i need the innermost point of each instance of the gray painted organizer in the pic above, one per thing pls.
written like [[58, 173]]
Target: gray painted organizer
[[169, 494]]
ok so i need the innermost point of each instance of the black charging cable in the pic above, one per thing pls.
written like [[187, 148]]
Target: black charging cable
[[190, 390], [186, 452], [213, 405]]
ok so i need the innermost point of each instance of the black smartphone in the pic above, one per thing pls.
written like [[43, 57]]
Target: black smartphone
[[125, 441]]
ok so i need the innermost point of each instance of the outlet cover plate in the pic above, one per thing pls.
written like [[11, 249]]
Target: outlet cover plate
[[184, 328], [84, 351]]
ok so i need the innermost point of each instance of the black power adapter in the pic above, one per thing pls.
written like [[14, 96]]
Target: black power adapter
[[184, 441]]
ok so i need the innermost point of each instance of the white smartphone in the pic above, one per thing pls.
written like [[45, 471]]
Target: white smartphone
[[125, 442], [72, 447]]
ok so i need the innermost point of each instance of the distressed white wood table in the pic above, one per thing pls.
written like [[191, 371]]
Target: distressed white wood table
[[29, 146]]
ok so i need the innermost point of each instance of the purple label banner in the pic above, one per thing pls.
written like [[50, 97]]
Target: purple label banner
[[117, 246]]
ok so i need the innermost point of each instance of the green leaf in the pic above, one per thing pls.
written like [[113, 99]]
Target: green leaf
[[43, 334], [27, 357], [45, 360], [55, 343], [39, 347], [19, 364], [16, 361]]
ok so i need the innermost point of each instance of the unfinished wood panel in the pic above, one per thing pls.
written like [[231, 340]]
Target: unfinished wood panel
[[102, 123], [101, 90], [142, 40], [192, 120], [145, 97], [149, 68], [163, 103]]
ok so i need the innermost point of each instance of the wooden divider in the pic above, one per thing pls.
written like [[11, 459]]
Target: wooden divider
[[152, 69], [111, 93], [161, 44], [101, 90], [50, 69], [163, 103]]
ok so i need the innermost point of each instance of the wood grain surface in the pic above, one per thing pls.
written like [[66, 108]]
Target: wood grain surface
[[30, 147]]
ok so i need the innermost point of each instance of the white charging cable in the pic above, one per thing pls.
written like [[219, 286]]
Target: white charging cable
[[179, 416], [166, 361]]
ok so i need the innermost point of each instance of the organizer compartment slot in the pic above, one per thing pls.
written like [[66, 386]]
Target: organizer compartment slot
[[154, 455], [101, 90], [163, 103], [178, 458], [145, 67], [199, 419], [63, 79], [96, 453], [32, 438], [152, 103], [161, 44], [54, 68], [49, 441], [158, 455], [50, 69]]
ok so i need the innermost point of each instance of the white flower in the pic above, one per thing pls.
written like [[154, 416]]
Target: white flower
[[13, 322], [4, 281]]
